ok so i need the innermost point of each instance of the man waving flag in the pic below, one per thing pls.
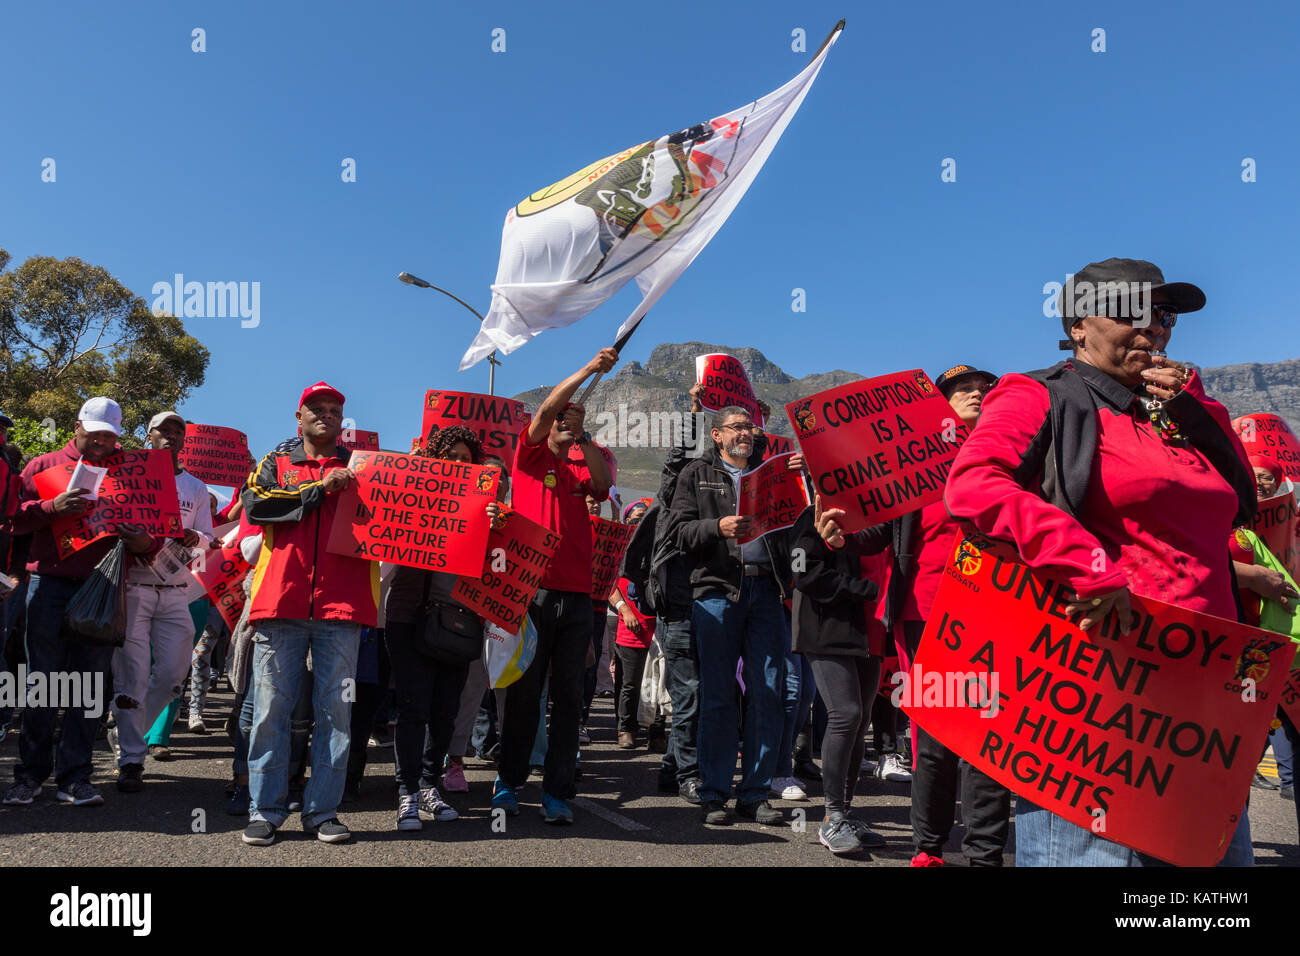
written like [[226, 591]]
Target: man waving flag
[[644, 213]]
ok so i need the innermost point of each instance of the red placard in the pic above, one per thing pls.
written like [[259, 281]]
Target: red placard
[[1290, 702], [725, 383], [358, 439], [779, 445], [1266, 434], [878, 448], [216, 455], [517, 557], [773, 495], [496, 420], [221, 571], [608, 542], [139, 488], [1149, 739], [575, 455], [425, 513], [1278, 525]]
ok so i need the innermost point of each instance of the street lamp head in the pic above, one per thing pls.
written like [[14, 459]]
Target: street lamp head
[[413, 280]]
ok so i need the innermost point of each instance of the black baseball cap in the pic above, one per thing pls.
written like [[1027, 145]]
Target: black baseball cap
[[961, 371], [1098, 285]]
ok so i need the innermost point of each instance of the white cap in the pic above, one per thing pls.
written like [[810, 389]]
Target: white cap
[[162, 417], [101, 415]]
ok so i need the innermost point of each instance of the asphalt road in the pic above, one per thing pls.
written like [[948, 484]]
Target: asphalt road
[[621, 819]]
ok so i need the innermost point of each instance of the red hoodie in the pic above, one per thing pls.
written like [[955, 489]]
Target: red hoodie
[[296, 577], [1156, 516], [35, 515]]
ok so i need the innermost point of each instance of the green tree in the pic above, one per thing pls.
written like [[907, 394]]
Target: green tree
[[70, 331], [37, 438]]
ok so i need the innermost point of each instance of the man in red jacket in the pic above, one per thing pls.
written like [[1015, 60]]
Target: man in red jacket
[[51, 647], [304, 599]]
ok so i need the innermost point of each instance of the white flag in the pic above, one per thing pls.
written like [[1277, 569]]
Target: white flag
[[644, 213]]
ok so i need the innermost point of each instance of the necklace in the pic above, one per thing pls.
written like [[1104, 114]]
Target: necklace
[[1159, 416]]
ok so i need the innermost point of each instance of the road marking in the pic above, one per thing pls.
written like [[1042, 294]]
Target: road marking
[[626, 823]]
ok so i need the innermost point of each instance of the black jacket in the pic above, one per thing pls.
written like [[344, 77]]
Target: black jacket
[[832, 599], [705, 493]]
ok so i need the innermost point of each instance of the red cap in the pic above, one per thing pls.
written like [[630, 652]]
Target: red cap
[[1268, 464], [320, 388]]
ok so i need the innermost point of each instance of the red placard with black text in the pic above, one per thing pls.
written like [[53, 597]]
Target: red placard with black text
[[427, 513], [779, 445], [773, 496], [1277, 523], [139, 488], [358, 439], [879, 447], [725, 383], [1266, 434], [1149, 739], [216, 455], [518, 554], [497, 421], [608, 542], [221, 571]]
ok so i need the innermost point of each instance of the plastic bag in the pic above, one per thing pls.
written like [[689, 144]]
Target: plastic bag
[[97, 612], [506, 656]]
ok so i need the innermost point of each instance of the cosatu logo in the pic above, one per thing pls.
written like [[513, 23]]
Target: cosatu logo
[[360, 463], [967, 558], [484, 481], [431, 401], [804, 417], [549, 481], [1243, 540], [923, 381], [1253, 662]]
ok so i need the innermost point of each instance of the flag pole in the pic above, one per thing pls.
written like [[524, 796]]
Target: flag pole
[[618, 347]]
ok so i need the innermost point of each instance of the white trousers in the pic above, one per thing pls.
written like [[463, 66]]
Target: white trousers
[[150, 667]]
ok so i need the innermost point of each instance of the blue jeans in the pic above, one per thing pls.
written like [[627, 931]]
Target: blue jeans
[[1045, 839], [682, 667], [800, 689], [51, 648], [754, 629], [279, 665], [241, 727]]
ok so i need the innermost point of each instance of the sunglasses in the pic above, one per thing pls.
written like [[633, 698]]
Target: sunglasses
[[1167, 318]]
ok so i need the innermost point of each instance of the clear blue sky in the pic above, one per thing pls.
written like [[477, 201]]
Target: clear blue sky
[[225, 166]]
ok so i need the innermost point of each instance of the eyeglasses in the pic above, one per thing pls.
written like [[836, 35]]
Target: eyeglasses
[[739, 429]]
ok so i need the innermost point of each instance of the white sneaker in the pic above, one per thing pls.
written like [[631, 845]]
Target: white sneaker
[[788, 788], [196, 724], [891, 767]]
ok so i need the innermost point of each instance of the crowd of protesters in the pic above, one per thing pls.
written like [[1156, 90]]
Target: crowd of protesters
[[751, 654]]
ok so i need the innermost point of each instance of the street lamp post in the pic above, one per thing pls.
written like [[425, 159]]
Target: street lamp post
[[493, 361]]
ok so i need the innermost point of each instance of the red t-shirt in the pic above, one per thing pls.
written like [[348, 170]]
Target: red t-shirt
[[625, 637], [1242, 551], [553, 492]]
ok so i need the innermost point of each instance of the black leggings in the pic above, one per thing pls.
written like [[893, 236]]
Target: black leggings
[[847, 684], [632, 669]]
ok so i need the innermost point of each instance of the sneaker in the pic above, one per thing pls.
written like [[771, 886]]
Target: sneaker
[[295, 800], [584, 738], [866, 836], [690, 791], [891, 767], [716, 813], [537, 770], [80, 794], [925, 859], [433, 807], [838, 837], [111, 737], [761, 812], [22, 793], [329, 831], [408, 813], [239, 801], [503, 798], [159, 752], [259, 833], [454, 778], [555, 810], [130, 778], [196, 724], [788, 788]]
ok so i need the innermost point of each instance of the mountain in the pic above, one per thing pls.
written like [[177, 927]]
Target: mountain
[[630, 399]]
